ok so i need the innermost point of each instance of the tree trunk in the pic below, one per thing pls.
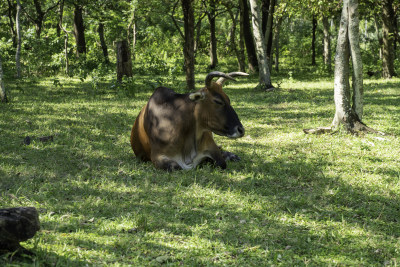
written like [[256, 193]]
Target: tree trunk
[[132, 31], [79, 31], [103, 42], [65, 38], [18, 29], [213, 40], [188, 47], [314, 28], [10, 18], [241, 57], [247, 36], [277, 31], [263, 65], [378, 36], [347, 113], [264, 14], [124, 61], [239, 52], [198, 35], [3, 93], [268, 32], [39, 18], [327, 44], [388, 36]]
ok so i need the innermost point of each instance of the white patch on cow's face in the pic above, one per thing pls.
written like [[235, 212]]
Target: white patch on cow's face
[[235, 135]]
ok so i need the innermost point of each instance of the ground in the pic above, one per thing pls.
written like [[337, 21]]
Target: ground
[[293, 199]]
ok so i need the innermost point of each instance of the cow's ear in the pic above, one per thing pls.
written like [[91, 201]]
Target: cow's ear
[[197, 96]]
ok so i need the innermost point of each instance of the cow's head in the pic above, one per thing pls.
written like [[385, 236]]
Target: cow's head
[[213, 107]]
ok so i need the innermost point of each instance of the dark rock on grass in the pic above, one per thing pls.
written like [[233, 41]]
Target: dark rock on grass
[[17, 225]]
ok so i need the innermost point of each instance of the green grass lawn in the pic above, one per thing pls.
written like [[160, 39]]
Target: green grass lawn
[[293, 199]]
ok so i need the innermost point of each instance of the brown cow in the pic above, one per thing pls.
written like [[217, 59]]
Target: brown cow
[[174, 131]]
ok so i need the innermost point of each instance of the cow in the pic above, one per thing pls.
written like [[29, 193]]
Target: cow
[[175, 131]]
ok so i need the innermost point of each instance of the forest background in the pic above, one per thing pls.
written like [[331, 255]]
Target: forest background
[[294, 199]]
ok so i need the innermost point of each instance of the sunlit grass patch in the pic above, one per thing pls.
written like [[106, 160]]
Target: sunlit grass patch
[[293, 199]]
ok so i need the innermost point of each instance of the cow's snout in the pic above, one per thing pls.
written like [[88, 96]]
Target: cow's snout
[[238, 132]]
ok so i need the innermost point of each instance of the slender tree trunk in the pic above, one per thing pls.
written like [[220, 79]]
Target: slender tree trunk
[[264, 14], [10, 18], [396, 34], [378, 36], [327, 44], [239, 52], [39, 18], [268, 31], [241, 56], [388, 36], [18, 29], [247, 36], [65, 38], [3, 93], [197, 34], [132, 33], [188, 47], [103, 42], [347, 113], [79, 31], [213, 40], [356, 60], [263, 65], [277, 31], [314, 29]]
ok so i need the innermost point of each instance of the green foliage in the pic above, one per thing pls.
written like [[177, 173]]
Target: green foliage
[[292, 200]]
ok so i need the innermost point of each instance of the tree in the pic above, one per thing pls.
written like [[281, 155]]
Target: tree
[[103, 44], [188, 46], [268, 7], [65, 38], [327, 44], [3, 93], [388, 38], [11, 15], [314, 29], [79, 31], [348, 101], [239, 51], [39, 16], [211, 14], [263, 64], [124, 60], [18, 30], [248, 38]]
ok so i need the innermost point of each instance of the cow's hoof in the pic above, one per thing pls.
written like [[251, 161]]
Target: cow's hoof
[[229, 156]]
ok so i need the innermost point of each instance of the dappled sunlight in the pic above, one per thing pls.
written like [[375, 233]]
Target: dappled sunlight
[[291, 198]]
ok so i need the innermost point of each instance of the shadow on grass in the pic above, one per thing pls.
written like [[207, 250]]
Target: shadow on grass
[[265, 209]]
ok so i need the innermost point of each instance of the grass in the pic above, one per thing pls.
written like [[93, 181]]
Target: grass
[[294, 199]]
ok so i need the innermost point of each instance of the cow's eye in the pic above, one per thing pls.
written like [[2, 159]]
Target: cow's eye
[[219, 102]]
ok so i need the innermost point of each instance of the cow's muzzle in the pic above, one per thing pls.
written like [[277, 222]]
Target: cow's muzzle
[[238, 132]]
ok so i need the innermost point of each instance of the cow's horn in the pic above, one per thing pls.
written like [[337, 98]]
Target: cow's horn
[[231, 74], [213, 74]]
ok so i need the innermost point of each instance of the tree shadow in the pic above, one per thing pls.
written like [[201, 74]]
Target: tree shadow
[[265, 209]]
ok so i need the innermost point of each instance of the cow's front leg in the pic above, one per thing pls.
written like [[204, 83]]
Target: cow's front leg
[[165, 163], [216, 155]]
